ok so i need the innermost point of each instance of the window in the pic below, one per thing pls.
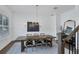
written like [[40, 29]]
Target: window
[[4, 28]]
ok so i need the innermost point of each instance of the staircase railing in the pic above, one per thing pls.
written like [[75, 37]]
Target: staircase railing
[[68, 38]]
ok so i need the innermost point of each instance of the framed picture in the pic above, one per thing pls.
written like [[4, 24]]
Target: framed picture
[[32, 26]]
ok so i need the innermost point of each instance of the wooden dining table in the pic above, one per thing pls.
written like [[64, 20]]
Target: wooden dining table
[[22, 39]]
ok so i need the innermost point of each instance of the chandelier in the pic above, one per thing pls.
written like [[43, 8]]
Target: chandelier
[[36, 12]]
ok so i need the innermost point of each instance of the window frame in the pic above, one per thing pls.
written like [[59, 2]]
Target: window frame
[[4, 26]]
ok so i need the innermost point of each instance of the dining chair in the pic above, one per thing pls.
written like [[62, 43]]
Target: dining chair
[[28, 44]]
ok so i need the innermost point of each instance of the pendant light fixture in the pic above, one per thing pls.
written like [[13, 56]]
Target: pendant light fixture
[[36, 12]]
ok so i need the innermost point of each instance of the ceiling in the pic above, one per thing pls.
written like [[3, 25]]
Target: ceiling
[[41, 9]]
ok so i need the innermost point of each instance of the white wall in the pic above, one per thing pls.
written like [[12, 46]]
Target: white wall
[[5, 40], [47, 24], [70, 15], [53, 25], [18, 25]]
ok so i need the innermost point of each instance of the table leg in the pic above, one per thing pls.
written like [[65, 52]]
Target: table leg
[[51, 43], [22, 46]]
